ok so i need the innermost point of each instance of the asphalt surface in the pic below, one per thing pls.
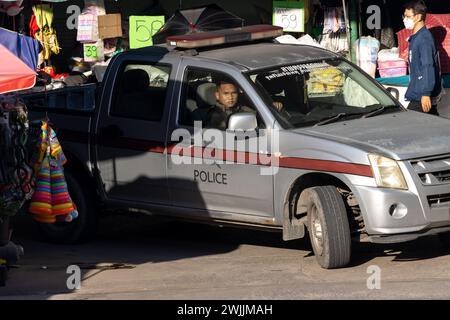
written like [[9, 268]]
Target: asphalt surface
[[140, 257]]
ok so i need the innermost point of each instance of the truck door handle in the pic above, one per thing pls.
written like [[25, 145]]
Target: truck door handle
[[112, 131]]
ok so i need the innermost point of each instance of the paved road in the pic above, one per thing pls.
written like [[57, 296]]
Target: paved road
[[158, 259]]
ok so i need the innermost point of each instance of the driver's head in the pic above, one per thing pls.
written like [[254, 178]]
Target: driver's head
[[226, 94]]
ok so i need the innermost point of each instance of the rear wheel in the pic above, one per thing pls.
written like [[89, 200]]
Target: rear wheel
[[81, 228], [328, 227]]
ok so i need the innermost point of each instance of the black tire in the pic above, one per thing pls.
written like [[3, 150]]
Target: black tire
[[82, 228], [445, 239], [328, 227]]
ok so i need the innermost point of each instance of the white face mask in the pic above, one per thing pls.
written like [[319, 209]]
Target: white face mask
[[409, 23]]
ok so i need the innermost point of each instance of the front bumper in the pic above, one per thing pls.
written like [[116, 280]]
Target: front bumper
[[385, 223]]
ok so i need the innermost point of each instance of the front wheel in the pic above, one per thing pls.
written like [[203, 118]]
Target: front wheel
[[328, 227]]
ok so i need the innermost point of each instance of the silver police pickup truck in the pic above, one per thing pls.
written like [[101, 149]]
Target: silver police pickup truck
[[311, 144]]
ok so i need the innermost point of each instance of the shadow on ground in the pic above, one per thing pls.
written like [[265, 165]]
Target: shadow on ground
[[129, 240]]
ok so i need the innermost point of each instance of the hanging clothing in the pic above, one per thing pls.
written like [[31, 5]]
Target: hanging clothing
[[334, 36], [34, 28], [46, 34], [334, 20]]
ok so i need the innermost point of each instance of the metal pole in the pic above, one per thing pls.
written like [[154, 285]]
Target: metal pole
[[347, 28], [353, 17]]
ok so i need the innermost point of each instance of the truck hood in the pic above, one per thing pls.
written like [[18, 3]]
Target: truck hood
[[400, 135]]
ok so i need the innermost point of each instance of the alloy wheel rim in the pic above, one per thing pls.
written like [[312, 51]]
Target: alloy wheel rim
[[316, 230]]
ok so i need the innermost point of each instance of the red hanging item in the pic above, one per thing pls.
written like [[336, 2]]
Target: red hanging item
[[34, 28]]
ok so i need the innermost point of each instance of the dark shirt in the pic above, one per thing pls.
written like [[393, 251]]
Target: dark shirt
[[425, 77], [218, 115]]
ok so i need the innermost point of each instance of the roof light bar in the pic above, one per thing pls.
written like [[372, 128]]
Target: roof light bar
[[225, 36]]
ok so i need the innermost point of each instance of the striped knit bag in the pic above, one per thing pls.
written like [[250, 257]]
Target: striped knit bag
[[51, 201]]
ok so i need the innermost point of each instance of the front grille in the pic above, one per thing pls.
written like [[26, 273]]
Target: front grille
[[439, 199], [433, 171]]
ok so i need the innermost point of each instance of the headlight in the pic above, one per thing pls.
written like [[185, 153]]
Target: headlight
[[387, 172]]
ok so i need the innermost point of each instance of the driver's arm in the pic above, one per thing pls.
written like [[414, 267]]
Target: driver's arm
[[278, 105]]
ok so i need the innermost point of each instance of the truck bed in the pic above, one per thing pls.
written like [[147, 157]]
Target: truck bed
[[69, 111], [65, 100]]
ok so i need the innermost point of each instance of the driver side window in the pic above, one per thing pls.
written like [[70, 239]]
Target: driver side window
[[211, 97]]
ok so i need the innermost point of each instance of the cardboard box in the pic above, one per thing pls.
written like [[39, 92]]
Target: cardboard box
[[110, 26]]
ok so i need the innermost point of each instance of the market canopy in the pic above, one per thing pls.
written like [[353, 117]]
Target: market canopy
[[14, 73], [209, 18]]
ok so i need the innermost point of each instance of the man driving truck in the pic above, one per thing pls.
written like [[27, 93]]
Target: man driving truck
[[227, 97]]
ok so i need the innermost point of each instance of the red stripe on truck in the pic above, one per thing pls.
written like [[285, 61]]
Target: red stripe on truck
[[224, 155]]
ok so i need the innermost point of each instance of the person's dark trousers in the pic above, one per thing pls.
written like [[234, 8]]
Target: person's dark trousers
[[417, 106]]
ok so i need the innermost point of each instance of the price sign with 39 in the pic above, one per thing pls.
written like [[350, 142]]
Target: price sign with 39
[[93, 51]]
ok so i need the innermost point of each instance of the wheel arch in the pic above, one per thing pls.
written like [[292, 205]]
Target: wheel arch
[[294, 209]]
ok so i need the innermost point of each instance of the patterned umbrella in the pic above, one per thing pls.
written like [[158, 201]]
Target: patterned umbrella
[[195, 20], [14, 73]]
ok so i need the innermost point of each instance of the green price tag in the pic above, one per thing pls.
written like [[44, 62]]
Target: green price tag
[[142, 29], [290, 15], [90, 52]]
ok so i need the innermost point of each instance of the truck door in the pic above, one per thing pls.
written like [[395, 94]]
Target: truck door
[[237, 187], [131, 130]]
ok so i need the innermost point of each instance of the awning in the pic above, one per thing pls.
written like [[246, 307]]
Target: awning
[[14, 73]]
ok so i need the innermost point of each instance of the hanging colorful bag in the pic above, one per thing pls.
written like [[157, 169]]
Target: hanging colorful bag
[[51, 201]]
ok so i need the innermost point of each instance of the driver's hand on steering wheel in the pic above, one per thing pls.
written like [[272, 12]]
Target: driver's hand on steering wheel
[[278, 105]]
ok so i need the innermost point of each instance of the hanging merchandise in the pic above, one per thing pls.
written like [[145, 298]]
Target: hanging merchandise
[[334, 36], [33, 26], [334, 20], [51, 201], [366, 49], [15, 173], [46, 34], [87, 28]]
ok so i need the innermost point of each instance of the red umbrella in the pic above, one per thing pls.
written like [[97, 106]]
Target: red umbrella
[[14, 73]]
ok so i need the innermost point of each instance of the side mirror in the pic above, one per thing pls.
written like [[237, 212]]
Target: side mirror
[[394, 92], [244, 121]]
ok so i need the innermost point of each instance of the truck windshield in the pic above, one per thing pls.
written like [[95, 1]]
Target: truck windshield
[[320, 93]]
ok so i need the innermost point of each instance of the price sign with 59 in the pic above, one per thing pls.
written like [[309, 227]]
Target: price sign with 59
[[290, 15], [142, 29]]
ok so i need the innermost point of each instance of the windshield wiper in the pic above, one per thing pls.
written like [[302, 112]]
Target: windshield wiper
[[331, 119], [375, 112]]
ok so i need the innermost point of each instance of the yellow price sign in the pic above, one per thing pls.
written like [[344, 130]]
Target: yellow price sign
[[142, 29], [94, 51]]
